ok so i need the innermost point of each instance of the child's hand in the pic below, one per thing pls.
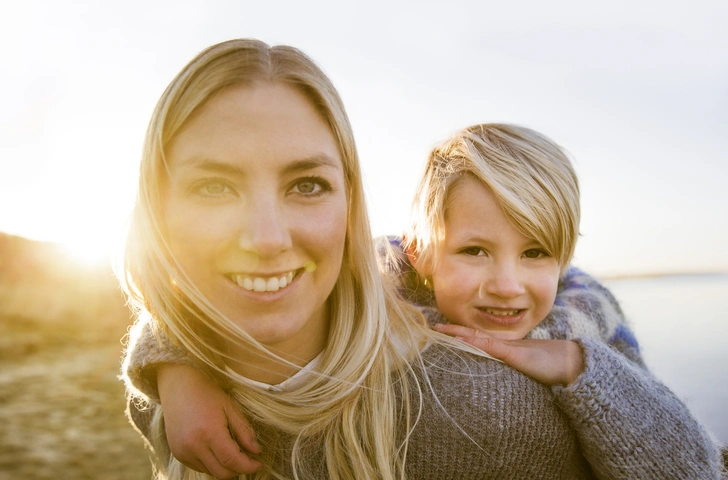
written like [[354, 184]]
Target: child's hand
[[205, 430], [551, 362]]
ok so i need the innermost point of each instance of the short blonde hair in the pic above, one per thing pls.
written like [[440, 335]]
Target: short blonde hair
[[532, 178], [373, 336]]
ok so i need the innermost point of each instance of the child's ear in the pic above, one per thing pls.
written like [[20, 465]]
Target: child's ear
[[422, 268]]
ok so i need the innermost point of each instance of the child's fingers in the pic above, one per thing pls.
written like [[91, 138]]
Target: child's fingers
[[479, 339], [241, 431], [494, 347], [208, 447], [551, 362], [199, 462], [202, 459], [229, 461], [457, 330]]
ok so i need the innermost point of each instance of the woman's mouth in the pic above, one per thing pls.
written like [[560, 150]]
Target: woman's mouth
[[264, 283]]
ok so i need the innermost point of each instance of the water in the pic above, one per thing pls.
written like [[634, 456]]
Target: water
[[681, 323]]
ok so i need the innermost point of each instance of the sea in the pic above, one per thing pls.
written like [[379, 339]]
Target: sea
[[681, 323]]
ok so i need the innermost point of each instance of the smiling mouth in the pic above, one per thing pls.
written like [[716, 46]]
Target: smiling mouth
[[264, 284], [501, 312]]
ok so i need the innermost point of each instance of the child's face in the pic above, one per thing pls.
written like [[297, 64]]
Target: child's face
[[489, 275]]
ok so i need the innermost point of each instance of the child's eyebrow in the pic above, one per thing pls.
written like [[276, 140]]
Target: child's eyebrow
[[472, 238]]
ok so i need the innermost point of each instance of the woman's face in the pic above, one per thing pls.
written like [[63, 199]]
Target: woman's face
[[255, 212]]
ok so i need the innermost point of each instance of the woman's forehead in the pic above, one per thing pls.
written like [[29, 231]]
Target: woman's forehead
[[261, 123]]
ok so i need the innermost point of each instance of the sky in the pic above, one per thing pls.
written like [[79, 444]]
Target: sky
[[636, 91]]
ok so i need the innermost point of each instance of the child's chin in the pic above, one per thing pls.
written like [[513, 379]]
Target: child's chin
[[510, 335]]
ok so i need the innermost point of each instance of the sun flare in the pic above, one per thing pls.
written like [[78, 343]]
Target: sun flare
[[88, 250]]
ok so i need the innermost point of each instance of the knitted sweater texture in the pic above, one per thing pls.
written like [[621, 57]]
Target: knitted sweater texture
[[483, 420]]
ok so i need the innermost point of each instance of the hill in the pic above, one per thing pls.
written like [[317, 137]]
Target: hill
[[61, 404]]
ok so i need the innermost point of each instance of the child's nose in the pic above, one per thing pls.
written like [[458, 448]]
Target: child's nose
[[503, 281]]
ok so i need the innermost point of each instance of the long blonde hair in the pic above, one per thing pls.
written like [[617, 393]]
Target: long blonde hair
[[531, 176], [349, 407]]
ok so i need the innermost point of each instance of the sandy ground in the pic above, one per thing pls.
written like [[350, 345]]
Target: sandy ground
[[62, 407]]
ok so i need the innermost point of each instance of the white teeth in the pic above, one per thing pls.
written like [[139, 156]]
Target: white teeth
[[501, 312], [260, 284]]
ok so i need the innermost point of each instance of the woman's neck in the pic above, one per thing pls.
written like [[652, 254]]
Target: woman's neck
[[266, 368]]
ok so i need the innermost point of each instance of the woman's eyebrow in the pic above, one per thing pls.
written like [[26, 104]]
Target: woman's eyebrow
[[299, 165], [212, 166], [312, 162]]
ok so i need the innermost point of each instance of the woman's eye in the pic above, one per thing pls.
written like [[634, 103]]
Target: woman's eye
[[473, 251], [534, 253], [212, 189], [311, 187], [307, 187]]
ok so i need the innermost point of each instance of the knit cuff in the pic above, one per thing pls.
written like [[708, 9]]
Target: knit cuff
[[629, 424], [146, 352], [591, 394]]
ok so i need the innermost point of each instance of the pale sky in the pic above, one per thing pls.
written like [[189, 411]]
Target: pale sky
[[636, 91]]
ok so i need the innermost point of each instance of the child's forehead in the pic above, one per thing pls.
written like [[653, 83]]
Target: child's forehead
[[459, 185], [474, 211], [467, 193]]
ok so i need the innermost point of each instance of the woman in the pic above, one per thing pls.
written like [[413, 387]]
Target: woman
[[250, 248]]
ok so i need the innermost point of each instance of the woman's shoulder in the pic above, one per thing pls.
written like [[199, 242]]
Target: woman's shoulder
[[449, 367], [476, 406], [469, 384]]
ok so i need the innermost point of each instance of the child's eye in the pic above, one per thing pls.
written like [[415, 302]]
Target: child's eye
[[535, 253], [473, 251], [311, 187]]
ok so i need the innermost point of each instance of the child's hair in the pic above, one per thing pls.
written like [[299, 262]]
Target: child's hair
[[530, 175]]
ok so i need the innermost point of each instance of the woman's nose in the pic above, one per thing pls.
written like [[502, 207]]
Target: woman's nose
[[502, 280], [264, 229]]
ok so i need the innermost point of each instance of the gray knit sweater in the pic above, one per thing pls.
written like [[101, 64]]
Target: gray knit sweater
[[615, 416], [482, 419]]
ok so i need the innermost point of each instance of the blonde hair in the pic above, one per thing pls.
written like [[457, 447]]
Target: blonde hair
[[350, 405], [531, 177]]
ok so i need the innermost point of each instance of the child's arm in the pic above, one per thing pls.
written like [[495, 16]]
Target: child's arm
[[584, 308], [630, 425], [551, 362], [144, 354], [205, 430]]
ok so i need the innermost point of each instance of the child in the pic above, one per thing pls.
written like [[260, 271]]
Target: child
[[493, 229], [486, 257]]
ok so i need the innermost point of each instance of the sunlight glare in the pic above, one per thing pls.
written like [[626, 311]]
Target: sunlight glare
[[88, 250]]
